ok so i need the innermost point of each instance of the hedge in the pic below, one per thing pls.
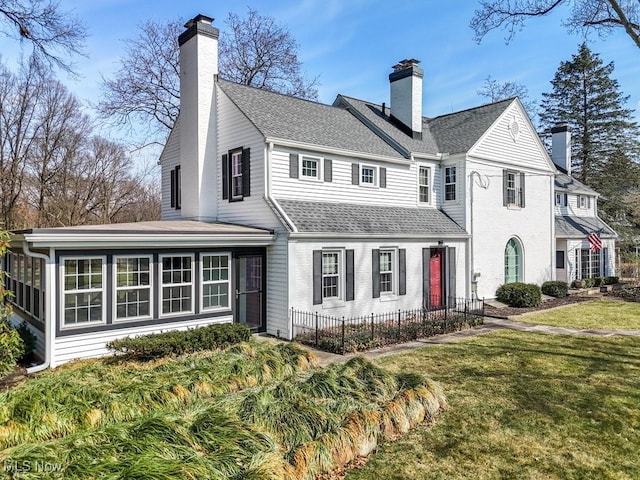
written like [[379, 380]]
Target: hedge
[[159, 345], [555, 289], [519, 294]]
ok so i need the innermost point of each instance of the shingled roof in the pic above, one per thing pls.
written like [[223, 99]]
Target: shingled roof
[[567, 183], [572, 226], [348, 218], [284, 117]]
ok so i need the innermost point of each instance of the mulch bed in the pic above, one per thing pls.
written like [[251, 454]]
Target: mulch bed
[[14, 378], [506, 312]]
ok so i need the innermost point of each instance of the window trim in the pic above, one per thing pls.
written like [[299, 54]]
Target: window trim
[[517, 190], [202, 282], [63, 291], [375, 175], [584, 199], [339, 275], [161, 285], [428, 186], [454, 183], [519, 257], [234, 197], [116, 289], [319, 168], [394, 272]]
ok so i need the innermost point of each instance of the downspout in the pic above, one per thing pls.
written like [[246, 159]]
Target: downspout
[[48, 318]]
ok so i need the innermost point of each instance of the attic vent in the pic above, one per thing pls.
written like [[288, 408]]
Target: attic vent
[[514, 129]]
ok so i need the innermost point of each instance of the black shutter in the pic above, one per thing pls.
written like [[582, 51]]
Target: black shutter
[[350, 292], [293, 165], [225, 176], [173, 188], [451, 267], [317, 277], [566, 200], [375, 273], [426, 275], [178, 194], [246, 172], [402, 271], [522, 189], [355, 174], [383, 177], [328, 170], [505, 182]]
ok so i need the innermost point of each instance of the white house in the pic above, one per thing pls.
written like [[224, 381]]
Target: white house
[[272, 203]]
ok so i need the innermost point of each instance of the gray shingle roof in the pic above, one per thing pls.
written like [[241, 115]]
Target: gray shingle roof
[[571, 226], [325, 217], [566, 183], [289, 118], [452, 133]]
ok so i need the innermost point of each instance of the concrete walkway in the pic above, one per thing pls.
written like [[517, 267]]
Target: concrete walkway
[[490, 324]]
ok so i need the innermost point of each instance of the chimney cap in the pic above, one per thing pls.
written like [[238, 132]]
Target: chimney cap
[[560, 127], [406, 63], [198, 19]]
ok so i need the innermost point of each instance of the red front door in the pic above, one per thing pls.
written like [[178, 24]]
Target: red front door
[[435, 278]]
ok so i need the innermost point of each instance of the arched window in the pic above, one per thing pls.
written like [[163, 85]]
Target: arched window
[[513, 261]]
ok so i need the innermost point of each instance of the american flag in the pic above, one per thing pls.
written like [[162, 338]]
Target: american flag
[[595, 242]]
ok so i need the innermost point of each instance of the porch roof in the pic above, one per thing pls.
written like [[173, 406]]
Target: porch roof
[[369, 220], [580, 227], [163, 233]]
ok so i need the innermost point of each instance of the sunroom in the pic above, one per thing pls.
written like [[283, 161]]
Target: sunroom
[[79, 288]]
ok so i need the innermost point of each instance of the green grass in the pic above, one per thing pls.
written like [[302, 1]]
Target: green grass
[[599, 314], [522, 406]]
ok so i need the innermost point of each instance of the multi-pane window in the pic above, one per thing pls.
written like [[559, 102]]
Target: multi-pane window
[[310, 168], [236, 174], [215, 281], [24, 280], [368, 175], [450, 183], [330, 274], [386, 271], [83, 285], [132, 287], [177, 284], [514, 188], [583, 201], [588, 263], [512, 262], [424, 176]]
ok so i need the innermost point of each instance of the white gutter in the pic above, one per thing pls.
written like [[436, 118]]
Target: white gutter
[[267, 190], [335, 151], [378, 235], [48, 317]]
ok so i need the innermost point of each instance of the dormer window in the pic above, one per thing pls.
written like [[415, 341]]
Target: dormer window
[[584, 202], [310, 168], [368, 175]]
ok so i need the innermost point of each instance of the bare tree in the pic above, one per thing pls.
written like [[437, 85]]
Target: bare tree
[[146, 92], [602, 15], [54, 34], [259, 52], [496, 91]]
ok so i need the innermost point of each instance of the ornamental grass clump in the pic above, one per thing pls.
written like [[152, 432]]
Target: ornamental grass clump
[[86, 394], [295, 427]]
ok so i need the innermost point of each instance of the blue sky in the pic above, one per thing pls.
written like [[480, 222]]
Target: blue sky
[[352, 44]]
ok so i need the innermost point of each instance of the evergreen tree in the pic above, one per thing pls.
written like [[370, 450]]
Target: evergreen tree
[[586, 97]]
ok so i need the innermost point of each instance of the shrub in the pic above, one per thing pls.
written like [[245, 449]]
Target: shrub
[[519, 294], [597, 281], [11, 348], [610, 280], [28, 340], [555, 289], [588, 282], [159, 345]]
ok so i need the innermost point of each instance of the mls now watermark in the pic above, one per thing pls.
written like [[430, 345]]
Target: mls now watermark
[[32, 466]]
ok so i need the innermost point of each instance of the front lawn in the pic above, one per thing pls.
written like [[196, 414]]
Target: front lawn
[[598, 315], [522, 406]]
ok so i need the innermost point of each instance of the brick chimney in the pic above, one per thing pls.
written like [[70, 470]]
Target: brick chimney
[[561, 146], [406, 97], [197, 120]]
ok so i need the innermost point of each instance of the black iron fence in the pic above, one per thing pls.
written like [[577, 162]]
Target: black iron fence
[[343, 335]]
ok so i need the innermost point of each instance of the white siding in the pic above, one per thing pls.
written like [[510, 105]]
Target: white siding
[[277, 287], [500, 143], [234, 131], [169, 159], [456, 209], [301, 276], [90, 345], [494, 224], [574, 209], [401, 189], [582, 243]]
